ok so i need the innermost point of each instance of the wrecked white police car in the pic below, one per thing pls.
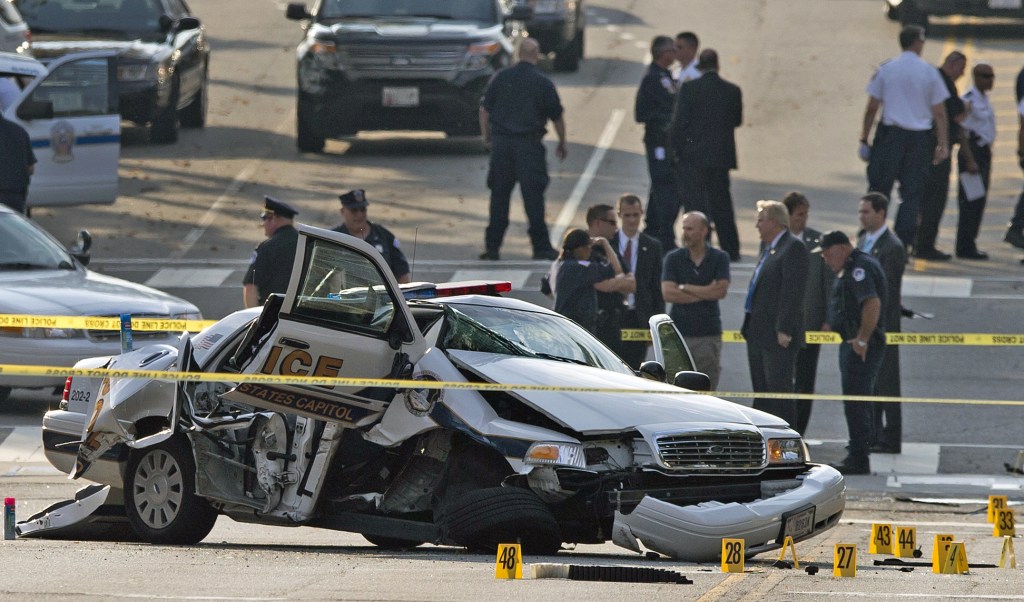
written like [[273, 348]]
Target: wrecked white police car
[[671, 469]]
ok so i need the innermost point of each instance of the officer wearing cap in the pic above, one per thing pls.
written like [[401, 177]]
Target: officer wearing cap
[[355, 223], [855, 311], [270, 266]]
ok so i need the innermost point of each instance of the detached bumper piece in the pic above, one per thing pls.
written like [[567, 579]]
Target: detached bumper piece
[[618, 574], [95, 514]]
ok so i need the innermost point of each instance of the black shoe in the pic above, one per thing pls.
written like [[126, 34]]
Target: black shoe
[[887, 447], [932, 255], [973, 255], [735, 256], [1015, 236], [851, 466], [549, 254], [489, 255]]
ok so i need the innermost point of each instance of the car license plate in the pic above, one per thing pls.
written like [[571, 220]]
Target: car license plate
[[400, 97], [1004, 4], [797, 524], [81, 396]]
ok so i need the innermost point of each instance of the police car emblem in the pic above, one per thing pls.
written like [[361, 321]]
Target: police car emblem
[[359, 196], [858, 274], [62, 141]]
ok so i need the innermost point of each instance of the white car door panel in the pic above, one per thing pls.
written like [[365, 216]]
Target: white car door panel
[[343, 315]]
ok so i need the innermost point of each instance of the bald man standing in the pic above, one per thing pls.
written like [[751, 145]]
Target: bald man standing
[[514, 112]]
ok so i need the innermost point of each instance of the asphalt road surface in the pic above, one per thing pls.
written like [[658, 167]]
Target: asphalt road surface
[[186, 222]]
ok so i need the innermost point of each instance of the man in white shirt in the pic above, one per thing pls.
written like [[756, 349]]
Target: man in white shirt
[[911, 94], [687, 45], [980, 127]]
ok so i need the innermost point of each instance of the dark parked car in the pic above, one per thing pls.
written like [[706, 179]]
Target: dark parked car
[[163, 55], [916, 12], [399, 64], [559, 27]]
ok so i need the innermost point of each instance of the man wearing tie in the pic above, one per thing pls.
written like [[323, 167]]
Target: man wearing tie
[[877, 240], [639, 255], [773, 324]]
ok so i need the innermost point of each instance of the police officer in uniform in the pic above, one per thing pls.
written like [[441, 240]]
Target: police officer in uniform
[[354, 213], [514, 110], [911, 94], [855, 312], [270, 266], [654, 103], [980, 129]]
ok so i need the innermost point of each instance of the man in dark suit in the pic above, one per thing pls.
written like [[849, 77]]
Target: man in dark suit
[[882, 243], [773, 324], [639, 255], [707, 112], [819, 283]]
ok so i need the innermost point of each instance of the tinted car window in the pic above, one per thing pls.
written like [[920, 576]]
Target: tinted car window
[[26, 247], [460, 10], [77, 88], [129, 16]]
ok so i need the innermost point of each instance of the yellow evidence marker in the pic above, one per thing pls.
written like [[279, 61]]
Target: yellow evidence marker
[[996, 502], [940, 549], [844, 561], [1004, 524], [881, 539], [509, 564], [954, 562], [732, 555], [906, 542], [1007, 558], [788, 543]]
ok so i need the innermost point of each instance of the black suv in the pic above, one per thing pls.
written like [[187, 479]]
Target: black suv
[[559, 26], [163, 55], [399, 64]]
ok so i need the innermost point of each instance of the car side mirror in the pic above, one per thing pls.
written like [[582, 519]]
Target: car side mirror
[[188, 23], [652, 370], [82, 245], [165, 22], [694, 381], [296, 11], [520, 12], [35, 109]]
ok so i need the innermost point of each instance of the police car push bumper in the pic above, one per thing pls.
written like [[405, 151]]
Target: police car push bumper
[[694, 533]]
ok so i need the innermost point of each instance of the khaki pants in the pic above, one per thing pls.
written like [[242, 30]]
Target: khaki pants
[[707, 356]]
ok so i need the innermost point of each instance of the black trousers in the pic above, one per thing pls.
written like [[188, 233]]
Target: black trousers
[[771, 371], [664, 203], [706, 189], [888, 416], [633, 352], [517, 159], [904, 155], [971, 211], [933, 205], [804, 377], [858, 378]]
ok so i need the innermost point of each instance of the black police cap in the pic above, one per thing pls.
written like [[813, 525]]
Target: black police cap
[[272, 205], [354, 199], [833, 238]]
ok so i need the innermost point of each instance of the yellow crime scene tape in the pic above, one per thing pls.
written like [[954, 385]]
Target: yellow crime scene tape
[[100, 323], [277, 379], [817, 337]]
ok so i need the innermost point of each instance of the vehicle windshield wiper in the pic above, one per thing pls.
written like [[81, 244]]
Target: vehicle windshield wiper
[[558, 358], [24, 265]]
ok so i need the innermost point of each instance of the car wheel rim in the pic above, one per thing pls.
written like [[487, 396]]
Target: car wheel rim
[[158, 489]]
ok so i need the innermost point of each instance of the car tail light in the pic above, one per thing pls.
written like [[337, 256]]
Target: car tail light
[[67, 392]]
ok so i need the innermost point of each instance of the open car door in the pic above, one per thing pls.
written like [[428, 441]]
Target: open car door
[[343, 315], [669, 347]]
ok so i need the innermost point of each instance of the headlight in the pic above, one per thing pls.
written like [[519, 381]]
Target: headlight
[[132, 73], [556, 454], [479, 55], [786, 451]]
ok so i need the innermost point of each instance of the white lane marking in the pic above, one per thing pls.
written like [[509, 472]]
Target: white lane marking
[[516, 277], [889, 594], [568, 212], [944, 524], [937, 286], [917, 458], [236, 184], [189, 277]]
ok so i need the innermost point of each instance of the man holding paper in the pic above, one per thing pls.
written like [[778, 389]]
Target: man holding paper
[[980, 128]]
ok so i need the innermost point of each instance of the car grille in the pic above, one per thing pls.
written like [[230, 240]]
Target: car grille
[[712, 451], [409, 58], [102, 336]]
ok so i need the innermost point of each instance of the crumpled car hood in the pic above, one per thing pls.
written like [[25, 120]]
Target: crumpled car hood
[[595, 413]]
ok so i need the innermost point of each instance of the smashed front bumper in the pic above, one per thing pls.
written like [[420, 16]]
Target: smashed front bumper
[[694, 533]]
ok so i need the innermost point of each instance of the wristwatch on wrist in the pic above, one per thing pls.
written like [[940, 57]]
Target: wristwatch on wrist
[[861, 343], [682, 287]]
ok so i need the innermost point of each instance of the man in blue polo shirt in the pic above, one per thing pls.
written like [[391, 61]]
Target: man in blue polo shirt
[[693, 279]]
